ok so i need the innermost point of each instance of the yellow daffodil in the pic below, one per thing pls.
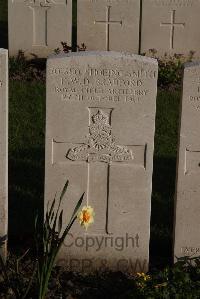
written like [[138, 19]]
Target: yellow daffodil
[[144, 276], [86, 216]]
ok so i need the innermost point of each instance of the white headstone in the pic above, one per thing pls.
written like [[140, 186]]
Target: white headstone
[[3, 148], [170, 26], [100, 135], [39, 26], [187, 206], [108, 25]]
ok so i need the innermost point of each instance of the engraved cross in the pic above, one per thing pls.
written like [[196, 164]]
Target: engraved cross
[[108, 22], [172, 25], [40, 19], [39, 9], [100, 152]]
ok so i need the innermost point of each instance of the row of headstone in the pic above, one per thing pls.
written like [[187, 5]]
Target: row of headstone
[[100, 127], [134, 26], [3, 150]]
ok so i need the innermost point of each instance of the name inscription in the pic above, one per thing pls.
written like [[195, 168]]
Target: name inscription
[[111, 1], [92, 84], [175, 3], [187, 250], [194, 98]]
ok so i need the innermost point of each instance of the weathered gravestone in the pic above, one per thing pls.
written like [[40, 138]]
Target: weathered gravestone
[[109, 25], [100, 135], [170, 26], [187, 209], [3, 149], [39, 26]]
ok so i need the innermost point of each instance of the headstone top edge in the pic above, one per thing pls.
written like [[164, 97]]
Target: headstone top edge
[[3, 51], [191, 64], [104, 54]]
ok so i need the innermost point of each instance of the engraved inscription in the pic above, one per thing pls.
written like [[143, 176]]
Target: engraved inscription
[[1, 82], [194, 98], [99, 85], [188, 250], [2, 212], [108, 22], [192, 162], [189, 195], [175, 3], [110, 1], [172, 25], [42, 3]]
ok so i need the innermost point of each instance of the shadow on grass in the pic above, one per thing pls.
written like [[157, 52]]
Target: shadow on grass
[[74, 25], [164, 179], [26, 190], [104, 285], [3, 35]]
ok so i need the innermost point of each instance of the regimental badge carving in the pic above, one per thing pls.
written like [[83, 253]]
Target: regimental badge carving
[[101, 145], [42, 3]]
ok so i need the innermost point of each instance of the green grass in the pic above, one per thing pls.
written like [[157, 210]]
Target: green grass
[[26, 161], [164, 176], [167, 123], [3, 24], [3, 10], [26, 153]]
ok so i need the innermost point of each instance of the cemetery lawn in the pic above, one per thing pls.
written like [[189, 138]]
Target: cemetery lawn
[[26, 185], [3, 24], [26, 154], [26, 194], [26, 162], [3, 10]]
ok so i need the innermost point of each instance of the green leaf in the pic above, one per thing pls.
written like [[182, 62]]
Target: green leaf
[[36, 222], [73, 218], [60, 222], [64, 190], [58, 208], [52, 207]]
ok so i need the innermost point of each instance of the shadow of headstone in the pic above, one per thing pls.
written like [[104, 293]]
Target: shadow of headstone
[[4, 24], [26, 177], [3, 249], [164, 179], [3, 35]]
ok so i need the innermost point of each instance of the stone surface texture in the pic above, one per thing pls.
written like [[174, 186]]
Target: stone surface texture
[[187, 206], [100, 126], [3, 148], [170, 26], [39, 26], [109, 25]]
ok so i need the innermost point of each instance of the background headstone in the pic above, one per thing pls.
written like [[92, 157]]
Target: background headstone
[[3, 148], [187, 209], [170, 27], [100, 135], [39, 26], [109, 25]]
